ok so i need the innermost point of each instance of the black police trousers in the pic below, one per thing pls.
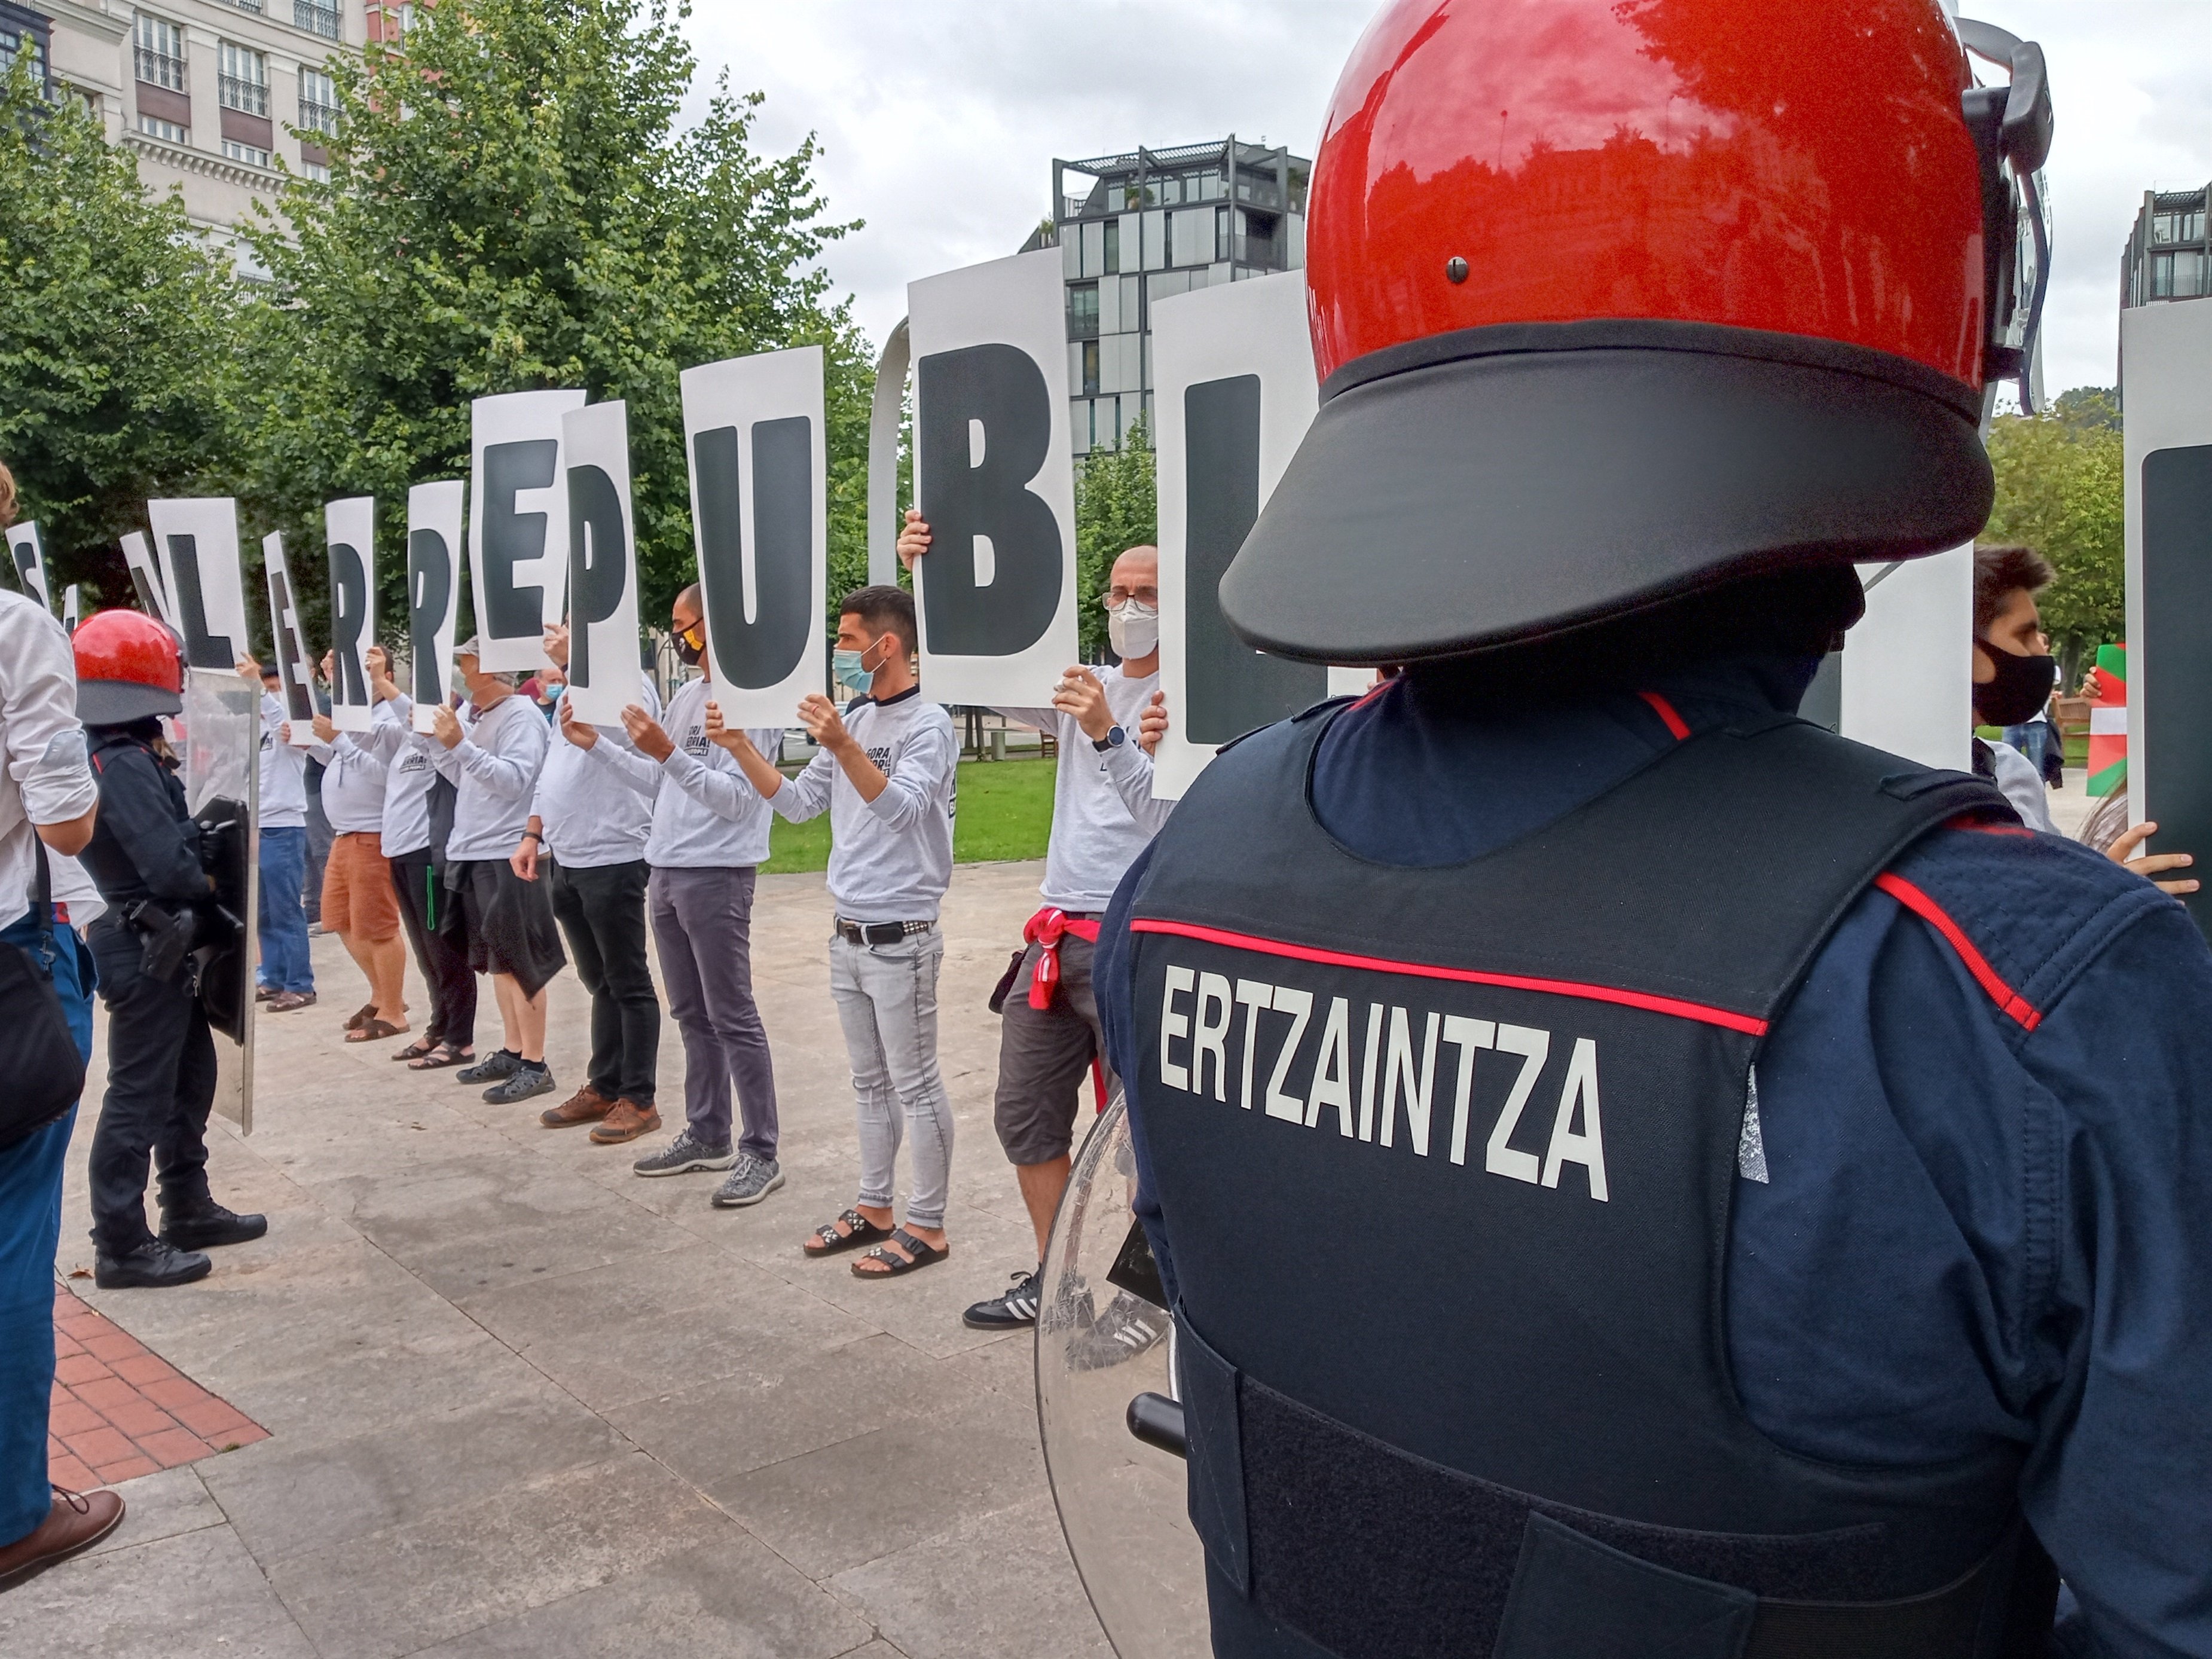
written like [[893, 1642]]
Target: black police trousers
[[161, 1085]]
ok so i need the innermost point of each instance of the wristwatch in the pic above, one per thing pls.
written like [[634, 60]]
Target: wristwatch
[[1113, 739]]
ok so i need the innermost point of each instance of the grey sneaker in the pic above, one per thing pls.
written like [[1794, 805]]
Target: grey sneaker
[[750, 1180], [684, 1154], [527, 1083], [495, 1067]]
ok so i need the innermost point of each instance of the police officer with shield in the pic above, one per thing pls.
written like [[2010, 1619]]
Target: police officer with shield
[[1637, 1173], [153, 945]]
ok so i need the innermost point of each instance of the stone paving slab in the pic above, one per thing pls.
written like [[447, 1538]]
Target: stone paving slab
[[521, 1401]]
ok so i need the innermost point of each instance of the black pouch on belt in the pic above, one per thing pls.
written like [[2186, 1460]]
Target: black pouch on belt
[[37, 1054]]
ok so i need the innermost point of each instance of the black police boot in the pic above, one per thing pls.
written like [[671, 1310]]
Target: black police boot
[[154, 1265], [205, 1224]]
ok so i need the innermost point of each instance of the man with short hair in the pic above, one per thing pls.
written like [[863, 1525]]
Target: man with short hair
[[503, 923], [359, 904], [285, 975], [1102, 815], [593, 840], [886, 775], [710, 831]]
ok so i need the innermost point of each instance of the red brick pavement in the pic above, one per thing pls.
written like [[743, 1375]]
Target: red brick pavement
[[120, 1410]]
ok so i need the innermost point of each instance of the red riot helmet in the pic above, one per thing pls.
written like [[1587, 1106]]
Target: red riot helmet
[[127, 667], [1616, 300]]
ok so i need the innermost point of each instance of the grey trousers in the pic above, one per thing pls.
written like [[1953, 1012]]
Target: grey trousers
[[702, 925], [886, 997]]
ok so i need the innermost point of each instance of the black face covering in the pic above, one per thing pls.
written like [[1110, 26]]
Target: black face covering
[[2021, 689], [687, 652]]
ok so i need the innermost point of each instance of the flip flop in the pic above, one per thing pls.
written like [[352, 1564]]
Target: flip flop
[[925, 1255], [373, 1030], [437, 1059], [827, 1241]]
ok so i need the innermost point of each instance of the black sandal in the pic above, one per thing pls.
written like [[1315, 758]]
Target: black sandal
[[437, 1059], [827, 1241], [415, 1050], [925, 1255]]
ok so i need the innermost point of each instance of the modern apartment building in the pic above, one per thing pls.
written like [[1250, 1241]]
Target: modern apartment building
[[2167, 255], [1134, 228], [211, 95]]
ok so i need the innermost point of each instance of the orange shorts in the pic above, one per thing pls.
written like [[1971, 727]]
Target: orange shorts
[[358, 896]]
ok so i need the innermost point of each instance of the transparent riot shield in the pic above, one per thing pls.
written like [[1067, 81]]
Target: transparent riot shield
[[1103, 1342], [222, 731]]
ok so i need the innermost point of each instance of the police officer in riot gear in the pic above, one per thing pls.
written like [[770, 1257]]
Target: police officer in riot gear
[[148, 859], [1659, 1178]]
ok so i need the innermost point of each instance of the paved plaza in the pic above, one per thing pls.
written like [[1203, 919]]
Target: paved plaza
[[520, 1401]]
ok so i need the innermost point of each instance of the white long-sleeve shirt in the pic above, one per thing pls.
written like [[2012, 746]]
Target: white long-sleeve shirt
[[1103, 810], [494, 770], [45, 775], [588, 825], [891, 859], [284, 773], [706, 813], [355, 774], [410, 770]]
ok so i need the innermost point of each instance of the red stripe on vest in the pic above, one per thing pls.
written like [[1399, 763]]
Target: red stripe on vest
[[2014, 1005], [1564, 988], [1665, 710]]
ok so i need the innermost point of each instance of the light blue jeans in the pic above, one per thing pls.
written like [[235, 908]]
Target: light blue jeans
[[886, 998]]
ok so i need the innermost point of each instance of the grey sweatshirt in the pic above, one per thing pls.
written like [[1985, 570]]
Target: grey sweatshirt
[[891, 859], [355, 774], [1103, 810], [706, 813], [494, 770], [588, 826]]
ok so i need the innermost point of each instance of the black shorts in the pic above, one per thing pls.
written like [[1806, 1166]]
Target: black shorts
[[1044, 1057], [501, 923]]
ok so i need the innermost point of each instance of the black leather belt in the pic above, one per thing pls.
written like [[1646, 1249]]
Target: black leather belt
[[879, 933]]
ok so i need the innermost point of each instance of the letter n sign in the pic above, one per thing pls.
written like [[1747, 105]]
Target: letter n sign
[[994, 478], [754, 428]]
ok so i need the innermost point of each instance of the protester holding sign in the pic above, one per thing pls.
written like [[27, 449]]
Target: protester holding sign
[[1103, 815], [886, 775], [501, 923], [593, 841], [359, 904], [286, 977]]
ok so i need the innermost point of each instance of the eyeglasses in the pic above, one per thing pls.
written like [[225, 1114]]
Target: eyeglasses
[[1117, 596]]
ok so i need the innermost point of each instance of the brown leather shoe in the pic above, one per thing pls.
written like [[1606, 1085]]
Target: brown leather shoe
[[73, 1523], [586, 1105], [627, 1122]]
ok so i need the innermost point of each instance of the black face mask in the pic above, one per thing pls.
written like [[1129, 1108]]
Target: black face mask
[[2023, 687], [687, 652]]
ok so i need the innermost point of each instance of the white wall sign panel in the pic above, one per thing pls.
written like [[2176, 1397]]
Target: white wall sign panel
[[349, 526], [518, 530], [433, 592], [197, 541], [992, 475], [754, 429], [603, 637]]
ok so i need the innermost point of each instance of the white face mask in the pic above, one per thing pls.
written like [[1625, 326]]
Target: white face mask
[[1134, 628]]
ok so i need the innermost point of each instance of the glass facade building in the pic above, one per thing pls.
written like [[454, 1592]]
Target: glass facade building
[[1135, 227], [2167, 255]]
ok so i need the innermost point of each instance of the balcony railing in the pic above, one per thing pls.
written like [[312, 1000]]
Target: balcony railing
[[318, 118], [249, 97], [315, 19], [159, 69]]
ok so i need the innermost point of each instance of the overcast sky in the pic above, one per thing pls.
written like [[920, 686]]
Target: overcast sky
[[938, 118]]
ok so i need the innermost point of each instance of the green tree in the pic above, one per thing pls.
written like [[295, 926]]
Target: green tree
[[2059, 491], [117, 366], [511, 205], [1116, 507]]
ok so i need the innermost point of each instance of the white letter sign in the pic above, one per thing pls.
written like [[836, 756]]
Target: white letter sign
[[519, 532], [29, 558], [291, 645], [147, 577], [753, 428], [602, 643], [198, 539], [350, 528], [433, 591], [993, 476]]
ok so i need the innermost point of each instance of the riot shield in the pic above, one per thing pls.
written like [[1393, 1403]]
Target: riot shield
[[1105, 1359], [222, 731]]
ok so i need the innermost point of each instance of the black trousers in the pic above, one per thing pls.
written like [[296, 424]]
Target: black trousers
[[161, 1085], [602, 912], [444, 969]]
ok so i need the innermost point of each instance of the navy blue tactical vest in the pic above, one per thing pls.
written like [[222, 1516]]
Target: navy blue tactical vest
[[1447, 1157]]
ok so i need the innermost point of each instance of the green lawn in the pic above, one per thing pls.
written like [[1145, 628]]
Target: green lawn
[[1005, 812]]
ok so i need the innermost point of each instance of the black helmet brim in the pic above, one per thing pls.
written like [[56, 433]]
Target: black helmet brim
[[117, 702]]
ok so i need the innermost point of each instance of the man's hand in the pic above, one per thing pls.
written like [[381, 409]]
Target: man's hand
[[824, 724], [284, 732], [325, 731], [523, 861], [248, 669], [913, 538], [1152, 724], [731, 738], [557, 645], [1079, 694], [446, 726], [2123, 853], [652, 740], [582, 733], [381, 686]]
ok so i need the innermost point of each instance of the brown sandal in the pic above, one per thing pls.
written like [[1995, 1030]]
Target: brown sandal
[[362, 1016], [827, 1241], [374, 1029]]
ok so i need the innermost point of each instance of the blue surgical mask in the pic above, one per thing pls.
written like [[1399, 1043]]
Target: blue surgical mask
[[845, 666]]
